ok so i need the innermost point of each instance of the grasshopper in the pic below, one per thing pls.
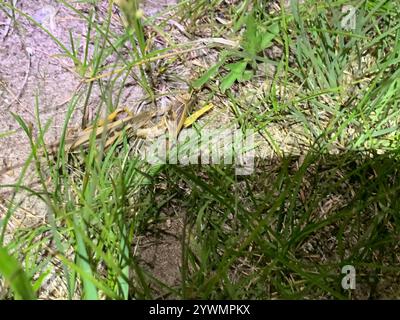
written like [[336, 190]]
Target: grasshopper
[[139, 126], [111, 128]]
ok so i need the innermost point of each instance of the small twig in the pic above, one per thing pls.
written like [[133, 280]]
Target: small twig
[[28, 69], [8, 25]]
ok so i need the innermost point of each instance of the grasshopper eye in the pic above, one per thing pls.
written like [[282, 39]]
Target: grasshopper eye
[[123, 114]]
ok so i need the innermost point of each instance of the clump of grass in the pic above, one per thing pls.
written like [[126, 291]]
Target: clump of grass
[[284, 231]]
